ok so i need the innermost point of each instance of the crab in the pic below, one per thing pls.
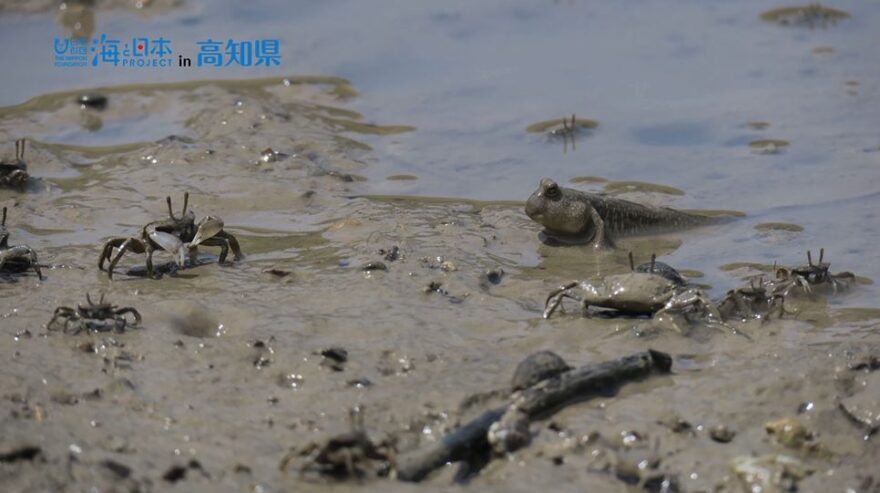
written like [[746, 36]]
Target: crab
[[660, 268], [636, 293], [14, 174], [179, 236], [815, 274], [757, 300], [348, 455], [16, 258], [96, 317]]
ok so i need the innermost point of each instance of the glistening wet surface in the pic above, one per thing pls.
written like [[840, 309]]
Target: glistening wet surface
[[415, 134]]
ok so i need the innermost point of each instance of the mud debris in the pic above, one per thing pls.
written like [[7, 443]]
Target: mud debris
[[374, 266], [391, 254], [721, 434], [350, 455], [494, 276], [810, 16], [789, 432], [770, 473], [334, 358], [119, 469], [93, 101], [863, 408], [23, 453]]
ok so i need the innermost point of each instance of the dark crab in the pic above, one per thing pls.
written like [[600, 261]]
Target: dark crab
[[756, 300], [180, 236], [14, 174], [660, 268], [817, 274], [97, 317], [16, 258]]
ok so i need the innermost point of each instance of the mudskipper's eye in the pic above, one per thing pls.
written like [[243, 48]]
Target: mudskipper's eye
[[552, 192]]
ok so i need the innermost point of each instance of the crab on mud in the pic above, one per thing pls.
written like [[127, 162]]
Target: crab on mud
[[14, 174], [16, 258], [817, 274], [348, 455], [758, 299], [636, 293], [660, 268], [96, 317], [180, 236]]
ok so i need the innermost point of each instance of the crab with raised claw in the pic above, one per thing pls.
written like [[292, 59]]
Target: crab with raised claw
[[97, 317], [636, 293], [817, 274], [180, 236], [16, 258], [14, 174]]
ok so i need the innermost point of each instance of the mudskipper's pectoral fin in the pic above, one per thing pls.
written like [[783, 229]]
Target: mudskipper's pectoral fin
[[601, 240]]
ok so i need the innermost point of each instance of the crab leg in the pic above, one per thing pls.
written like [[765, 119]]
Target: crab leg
[[560, 289], [61, 312], [131, 243], [777, 303], [225, 241], [555, 298], [19, 150], [107, 253]]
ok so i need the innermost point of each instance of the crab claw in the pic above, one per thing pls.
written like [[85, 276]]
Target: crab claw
[[208, 228], [170, 244]]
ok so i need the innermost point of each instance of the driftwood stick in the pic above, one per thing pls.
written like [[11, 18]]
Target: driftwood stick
[[456, 445], [588, 381], [541, 399]]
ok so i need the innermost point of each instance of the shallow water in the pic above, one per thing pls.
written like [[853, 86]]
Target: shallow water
[[444, 95]]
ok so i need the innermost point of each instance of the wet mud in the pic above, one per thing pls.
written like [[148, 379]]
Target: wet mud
[[227, 372]]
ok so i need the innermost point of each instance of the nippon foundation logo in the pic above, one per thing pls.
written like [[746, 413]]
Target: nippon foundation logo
[[147, 52]]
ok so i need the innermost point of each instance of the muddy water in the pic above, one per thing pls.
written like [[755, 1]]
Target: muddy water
[[225, 370]]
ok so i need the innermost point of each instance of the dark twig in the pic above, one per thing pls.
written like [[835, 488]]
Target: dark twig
[[537, 401]]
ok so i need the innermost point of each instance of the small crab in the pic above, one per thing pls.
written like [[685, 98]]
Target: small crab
[[348, 455], [179, 236], [756, 300], [16, 258], [636, 293], [14, 174], [815, 274], [97, 317]]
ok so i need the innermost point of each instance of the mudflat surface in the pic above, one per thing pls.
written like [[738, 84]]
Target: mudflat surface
[[383, 152]]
